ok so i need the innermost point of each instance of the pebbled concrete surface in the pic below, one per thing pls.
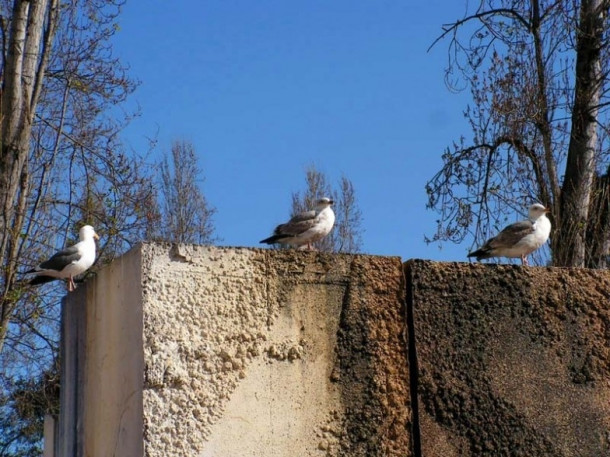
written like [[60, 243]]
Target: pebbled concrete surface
[[182, 350], [273, 353], [512, 361]]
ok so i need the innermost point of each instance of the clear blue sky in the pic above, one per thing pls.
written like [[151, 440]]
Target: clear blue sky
[[265, 88]]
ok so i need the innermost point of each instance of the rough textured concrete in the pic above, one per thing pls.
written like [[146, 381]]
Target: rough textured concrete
[[203, 351], [512, 361], [275, 353]]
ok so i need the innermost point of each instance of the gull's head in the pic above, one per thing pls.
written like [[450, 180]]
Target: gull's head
[[87, 232], [536, 210], [323, 203]]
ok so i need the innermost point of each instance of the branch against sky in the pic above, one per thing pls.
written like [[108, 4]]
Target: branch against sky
[[62, 165], [185, 214], [346, 235], [532, 139]]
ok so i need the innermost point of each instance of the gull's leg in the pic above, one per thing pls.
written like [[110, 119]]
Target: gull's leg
[[71, 284], [524, 260]]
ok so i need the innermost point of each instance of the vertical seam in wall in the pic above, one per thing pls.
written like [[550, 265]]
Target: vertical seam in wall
[[412, 357]]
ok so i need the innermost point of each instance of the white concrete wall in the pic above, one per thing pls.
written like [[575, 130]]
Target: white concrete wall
[[113, 361], [230, 368], [102, 364]]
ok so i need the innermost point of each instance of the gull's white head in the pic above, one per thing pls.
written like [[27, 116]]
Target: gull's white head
[[536, 210], [323, 203], [87, 232]]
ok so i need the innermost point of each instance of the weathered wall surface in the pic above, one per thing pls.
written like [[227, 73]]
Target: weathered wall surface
[[102, 364], [512, 361], [220, 352], [204, 351], [275, 353]]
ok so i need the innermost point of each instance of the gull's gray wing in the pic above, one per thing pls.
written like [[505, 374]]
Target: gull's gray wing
[[298, 224], [304, 216], [61, 259], [511, 235]]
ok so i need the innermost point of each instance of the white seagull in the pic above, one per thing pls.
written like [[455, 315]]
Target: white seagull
[[519, 239], [68, 262], [305, 228]]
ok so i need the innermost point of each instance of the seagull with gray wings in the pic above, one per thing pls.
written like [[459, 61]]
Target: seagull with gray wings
[[520, 239], [69, 262], [305, 228]]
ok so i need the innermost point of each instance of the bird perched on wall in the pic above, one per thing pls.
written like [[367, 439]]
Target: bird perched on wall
[[69, 262], [519, 239], [305, 228]]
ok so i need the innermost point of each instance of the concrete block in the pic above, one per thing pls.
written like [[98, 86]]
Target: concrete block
[[273, 353], [511, 361], [207, 351]]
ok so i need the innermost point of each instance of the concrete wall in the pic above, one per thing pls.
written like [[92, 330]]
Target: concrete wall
[[200, 351], [511, 361], [241, 352], [103, 364]]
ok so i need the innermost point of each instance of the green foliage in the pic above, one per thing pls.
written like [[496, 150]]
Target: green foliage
[[23, 406]]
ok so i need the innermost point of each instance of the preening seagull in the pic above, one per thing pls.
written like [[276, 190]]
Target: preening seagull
[[519, 239], [305, 228], [68, 262]]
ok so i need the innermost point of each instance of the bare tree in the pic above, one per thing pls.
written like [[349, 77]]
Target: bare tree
[[24, 64], [598, 226], [59, 148], [186, 214], [62, 164], [346, 235], [537, 74]]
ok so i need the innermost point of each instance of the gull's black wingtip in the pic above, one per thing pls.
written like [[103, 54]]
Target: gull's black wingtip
[[41, 280], [480, 254]]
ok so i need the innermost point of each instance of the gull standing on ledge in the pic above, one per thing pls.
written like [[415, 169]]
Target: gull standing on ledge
[[519, 239], [305, 228], [69, 262]]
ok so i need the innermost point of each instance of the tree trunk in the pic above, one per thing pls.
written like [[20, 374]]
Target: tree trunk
[[29, 44], [569, 246], [598, 226]]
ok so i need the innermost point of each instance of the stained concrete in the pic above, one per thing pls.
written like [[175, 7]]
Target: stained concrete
[[102, 365], [243, 352], [512, 361], [275, 353], [181, 350]]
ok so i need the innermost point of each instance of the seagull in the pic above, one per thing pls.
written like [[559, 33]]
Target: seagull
[[305, 228], [69, 262], [519, 239]]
